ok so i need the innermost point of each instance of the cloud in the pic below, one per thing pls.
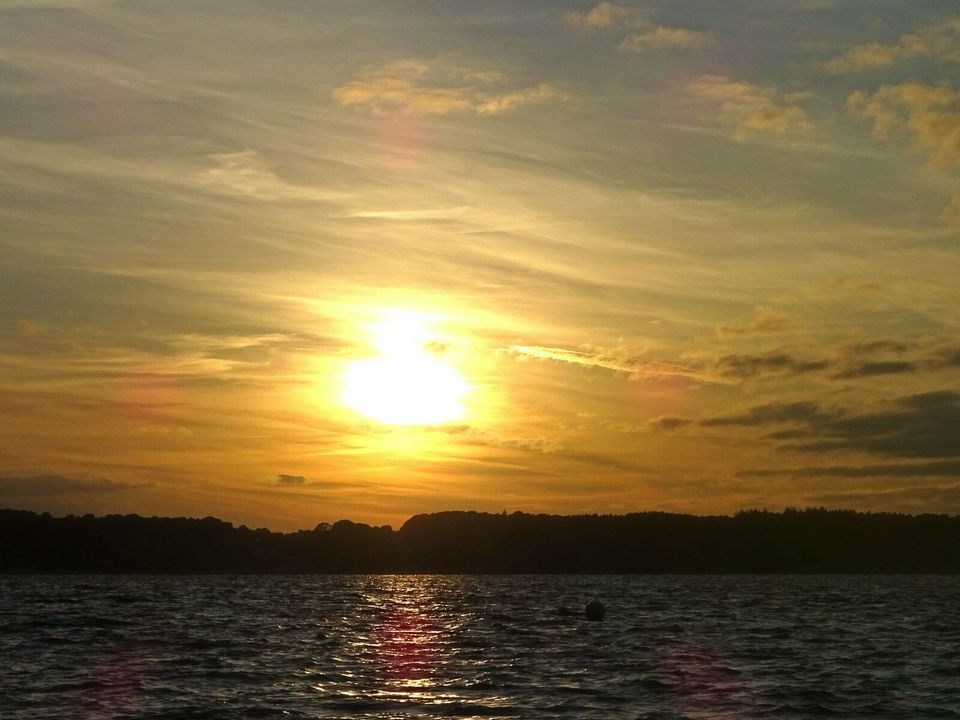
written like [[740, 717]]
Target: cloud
[[607, 15], [946, 357], [669, 423], [435, 87], [245, 174], [479, 436], [43, 485], [871, 347], [602, 15], [864, 57], [923, 425], [771, 413], [493, 104], [853, 360], [664, 37], [881, 367], [618, 360], [765, 320], [928, 114], [941, 42], [542, 445], [939, 468], [777, 363], [291, 479], [751, 108]]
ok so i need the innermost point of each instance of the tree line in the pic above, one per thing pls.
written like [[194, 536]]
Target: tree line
[[812, 540]]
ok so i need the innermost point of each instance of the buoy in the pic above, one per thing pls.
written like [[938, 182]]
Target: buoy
[[595, 610]]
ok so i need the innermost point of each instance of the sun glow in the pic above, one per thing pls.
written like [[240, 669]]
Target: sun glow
[[408, 383]]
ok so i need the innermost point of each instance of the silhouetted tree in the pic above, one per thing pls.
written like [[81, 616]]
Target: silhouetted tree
[[814, 540]]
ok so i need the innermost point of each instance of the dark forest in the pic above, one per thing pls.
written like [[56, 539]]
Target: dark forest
[[793, 541]]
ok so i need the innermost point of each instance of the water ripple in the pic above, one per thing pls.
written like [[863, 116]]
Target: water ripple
[[480, 647]]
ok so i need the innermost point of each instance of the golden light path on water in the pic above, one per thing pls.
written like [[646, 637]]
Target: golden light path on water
[[408, 382]]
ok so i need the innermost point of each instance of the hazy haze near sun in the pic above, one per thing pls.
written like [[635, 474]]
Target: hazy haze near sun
[[689, 256]]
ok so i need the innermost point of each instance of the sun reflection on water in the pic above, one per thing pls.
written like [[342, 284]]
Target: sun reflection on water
[[403, 650]]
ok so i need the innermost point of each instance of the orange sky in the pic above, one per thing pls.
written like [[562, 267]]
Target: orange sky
[[682, 256]]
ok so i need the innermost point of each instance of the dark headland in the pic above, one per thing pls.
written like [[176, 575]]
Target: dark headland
[[793, 541]]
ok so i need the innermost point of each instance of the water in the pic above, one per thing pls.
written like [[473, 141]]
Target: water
[[478, 646]]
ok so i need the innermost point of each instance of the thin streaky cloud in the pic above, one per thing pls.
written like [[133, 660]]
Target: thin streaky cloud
[[414, 86]]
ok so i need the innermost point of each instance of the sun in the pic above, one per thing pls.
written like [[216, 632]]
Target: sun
[[408, 383]]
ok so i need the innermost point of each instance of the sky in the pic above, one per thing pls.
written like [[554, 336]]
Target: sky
[[286, 262]]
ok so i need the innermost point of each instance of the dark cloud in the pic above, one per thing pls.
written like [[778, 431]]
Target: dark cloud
[[790, 434], [924, 425], [945, 358], [300, 485], [875, 347], [747, 366], [40, 485], [669, 423], [854, 360], [882, 367], [769, 414], [940, 468]]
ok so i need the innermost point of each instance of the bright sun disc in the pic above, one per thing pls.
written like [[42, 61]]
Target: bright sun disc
[[406, 384]]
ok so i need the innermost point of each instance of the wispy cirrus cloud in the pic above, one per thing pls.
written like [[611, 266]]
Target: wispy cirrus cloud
[[860, 360], [765, 320], [415, 86], [245, 174], [940, 42], [618, 360], [44, 485]]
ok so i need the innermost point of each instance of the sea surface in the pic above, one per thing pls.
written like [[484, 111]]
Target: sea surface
[[91, 647]]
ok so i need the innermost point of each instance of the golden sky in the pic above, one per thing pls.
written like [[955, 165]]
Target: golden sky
[[290, 262]]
